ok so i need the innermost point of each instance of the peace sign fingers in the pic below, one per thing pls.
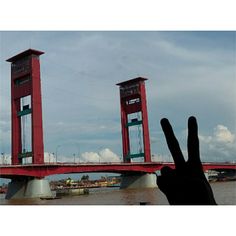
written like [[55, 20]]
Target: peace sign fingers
[[173, 144]]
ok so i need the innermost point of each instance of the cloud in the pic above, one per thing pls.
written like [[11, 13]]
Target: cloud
[[49, 157], [161, 158], [5, 159], [220, 146], [90, 157], [108, 156], [105, 155], [222, 134]]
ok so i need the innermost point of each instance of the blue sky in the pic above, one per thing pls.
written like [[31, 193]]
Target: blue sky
[[190, 73]]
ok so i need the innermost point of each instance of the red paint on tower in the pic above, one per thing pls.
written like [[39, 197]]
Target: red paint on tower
[[133, 100], [25, 81]]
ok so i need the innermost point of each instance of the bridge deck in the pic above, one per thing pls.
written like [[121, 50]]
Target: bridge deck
[[42, 170]]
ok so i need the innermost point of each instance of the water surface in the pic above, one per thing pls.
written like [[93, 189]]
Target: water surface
[[224, 192]]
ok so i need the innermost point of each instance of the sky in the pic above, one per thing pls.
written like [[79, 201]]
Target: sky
[[189, 73]]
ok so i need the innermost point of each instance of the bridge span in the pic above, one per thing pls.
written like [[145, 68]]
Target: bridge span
[[43, 170]]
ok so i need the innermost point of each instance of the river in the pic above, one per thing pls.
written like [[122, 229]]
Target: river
[[224, 192]]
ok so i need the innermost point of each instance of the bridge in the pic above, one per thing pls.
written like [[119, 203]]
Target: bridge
[[28, 179], [43, 170]]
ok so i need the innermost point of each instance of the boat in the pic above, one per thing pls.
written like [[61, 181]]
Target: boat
[[49, 198]]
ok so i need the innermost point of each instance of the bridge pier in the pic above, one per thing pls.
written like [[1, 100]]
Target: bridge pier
[[132, 181], [28, 188]]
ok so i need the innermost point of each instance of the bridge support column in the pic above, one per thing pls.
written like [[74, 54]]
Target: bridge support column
[[28, 188], [132, 181]]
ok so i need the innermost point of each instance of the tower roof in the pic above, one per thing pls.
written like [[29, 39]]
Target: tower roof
[[131, 81], [24, 54]]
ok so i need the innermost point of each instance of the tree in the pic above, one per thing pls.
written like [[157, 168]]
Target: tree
[[85, 178]]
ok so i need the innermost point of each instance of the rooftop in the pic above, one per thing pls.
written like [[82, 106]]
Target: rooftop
[[131, 81], [24, 54]]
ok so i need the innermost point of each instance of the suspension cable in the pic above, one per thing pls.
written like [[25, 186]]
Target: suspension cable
[[139, 135]]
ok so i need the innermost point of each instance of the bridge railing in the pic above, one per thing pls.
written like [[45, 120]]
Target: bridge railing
[[113, 163]]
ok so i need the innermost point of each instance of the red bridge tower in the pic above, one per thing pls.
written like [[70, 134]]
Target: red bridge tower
[[26, 102], [134, 113]]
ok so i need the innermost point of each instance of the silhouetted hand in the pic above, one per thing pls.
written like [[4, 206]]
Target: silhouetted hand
[[186, 184]]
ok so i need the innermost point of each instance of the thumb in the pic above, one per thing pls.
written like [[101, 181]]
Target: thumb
[[167, 171], [165, 179]]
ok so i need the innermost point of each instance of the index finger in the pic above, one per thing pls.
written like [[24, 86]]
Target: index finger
[[173, 144]]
